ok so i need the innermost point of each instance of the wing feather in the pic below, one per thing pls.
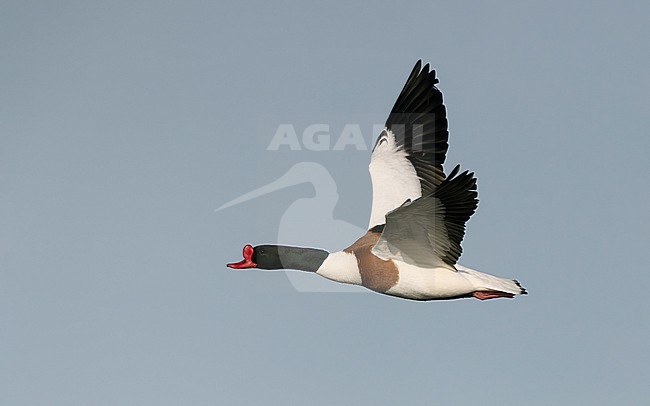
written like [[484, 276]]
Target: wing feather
[[407, 158], [428, 231]]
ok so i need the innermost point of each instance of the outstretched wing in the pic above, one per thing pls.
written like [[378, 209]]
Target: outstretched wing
[[407, 158], [427, 232]]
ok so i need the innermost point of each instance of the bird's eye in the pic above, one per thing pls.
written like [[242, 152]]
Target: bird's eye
[[261, 252]]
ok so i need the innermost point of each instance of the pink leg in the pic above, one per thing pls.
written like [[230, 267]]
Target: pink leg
[[491, 294]]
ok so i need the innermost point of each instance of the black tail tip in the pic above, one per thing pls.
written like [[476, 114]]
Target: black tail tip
[[523, 290]]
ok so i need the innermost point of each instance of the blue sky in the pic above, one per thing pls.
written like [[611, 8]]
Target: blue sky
[[124, 125]]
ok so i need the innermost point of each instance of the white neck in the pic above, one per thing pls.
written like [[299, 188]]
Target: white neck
[[341, 267]]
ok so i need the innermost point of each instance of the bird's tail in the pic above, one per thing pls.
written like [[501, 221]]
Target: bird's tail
[[488, 283]]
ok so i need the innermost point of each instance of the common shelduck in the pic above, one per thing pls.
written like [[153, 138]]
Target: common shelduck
[[418, 214]]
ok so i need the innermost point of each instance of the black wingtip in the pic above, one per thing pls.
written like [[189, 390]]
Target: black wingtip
[[454, 172], [415, 72], [426, 70]]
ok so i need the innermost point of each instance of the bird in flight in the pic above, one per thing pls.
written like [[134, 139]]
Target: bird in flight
[[417, 222]]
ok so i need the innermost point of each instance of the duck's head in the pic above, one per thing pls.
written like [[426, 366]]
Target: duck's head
[[261, 257], [280, 257]]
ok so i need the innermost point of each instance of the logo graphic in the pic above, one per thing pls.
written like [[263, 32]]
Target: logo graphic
[[309, 221]]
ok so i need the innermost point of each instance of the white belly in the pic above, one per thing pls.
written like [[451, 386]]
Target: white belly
[[429, 283]]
